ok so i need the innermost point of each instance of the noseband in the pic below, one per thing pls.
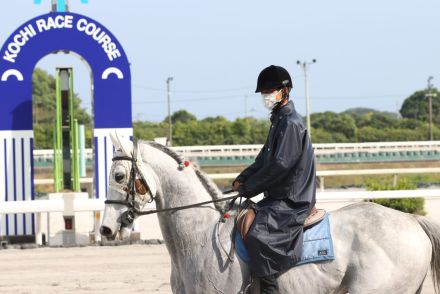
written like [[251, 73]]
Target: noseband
[[128, 217]]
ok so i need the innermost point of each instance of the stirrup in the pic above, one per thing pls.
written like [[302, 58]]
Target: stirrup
[[316, 215]]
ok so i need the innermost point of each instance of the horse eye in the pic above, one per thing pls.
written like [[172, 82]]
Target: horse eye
[[119, 177]]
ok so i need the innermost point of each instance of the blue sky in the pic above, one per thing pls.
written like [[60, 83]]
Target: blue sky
[[369, 53]]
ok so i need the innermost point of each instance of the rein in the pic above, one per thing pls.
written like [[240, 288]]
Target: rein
[[128, 217], [187, 206]]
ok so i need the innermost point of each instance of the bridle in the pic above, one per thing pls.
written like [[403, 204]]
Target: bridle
[[128, 217], [134, 185]]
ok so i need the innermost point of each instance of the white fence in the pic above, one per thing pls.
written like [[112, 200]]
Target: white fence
[[333, 148], [39, 206], [320, 173], [252, 150], [332, 173], [352, 172], [149, 228]]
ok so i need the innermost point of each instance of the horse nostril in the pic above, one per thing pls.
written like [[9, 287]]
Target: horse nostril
[[105, 231]]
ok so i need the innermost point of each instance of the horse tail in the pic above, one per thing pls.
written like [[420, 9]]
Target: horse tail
[[432, 229]]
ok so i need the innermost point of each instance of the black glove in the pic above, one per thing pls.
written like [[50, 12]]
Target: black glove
[[242, 192]]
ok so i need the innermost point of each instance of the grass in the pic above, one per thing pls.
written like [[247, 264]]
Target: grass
[[359, 181]]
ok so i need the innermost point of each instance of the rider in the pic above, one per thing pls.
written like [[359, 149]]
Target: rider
[[285, 171]]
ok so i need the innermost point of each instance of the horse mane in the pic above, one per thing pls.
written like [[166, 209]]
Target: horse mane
[[207, 183]]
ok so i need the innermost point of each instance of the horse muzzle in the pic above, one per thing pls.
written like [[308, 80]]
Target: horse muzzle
[[107, 233]]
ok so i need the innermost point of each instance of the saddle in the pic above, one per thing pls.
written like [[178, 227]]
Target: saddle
[[245, 218], [247, 214]]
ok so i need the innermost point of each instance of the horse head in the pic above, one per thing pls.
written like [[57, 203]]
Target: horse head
[[132, 184], [148, 171]]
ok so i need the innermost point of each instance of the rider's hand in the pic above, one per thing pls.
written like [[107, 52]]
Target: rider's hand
[[236, 185]]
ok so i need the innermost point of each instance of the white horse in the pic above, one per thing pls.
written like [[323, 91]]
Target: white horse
[[377, 249]]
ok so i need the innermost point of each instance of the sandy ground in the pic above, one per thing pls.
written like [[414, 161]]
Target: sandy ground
[[110, 269]]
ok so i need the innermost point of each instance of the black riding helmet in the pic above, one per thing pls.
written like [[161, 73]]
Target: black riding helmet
[[273, 77]]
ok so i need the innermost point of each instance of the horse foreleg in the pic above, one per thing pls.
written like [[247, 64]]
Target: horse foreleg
[[177, 285]]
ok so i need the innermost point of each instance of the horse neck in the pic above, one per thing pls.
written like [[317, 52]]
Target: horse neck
[[179, 188]]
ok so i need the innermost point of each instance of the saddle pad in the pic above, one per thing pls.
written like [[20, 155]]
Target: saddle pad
[[240, 248], [317, 244]]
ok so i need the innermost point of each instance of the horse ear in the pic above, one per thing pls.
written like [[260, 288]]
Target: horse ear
[[121, 144], [146, 171], [115, 141], [139, 155]]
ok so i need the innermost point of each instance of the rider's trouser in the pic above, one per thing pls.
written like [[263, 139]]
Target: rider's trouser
[[269, 285]]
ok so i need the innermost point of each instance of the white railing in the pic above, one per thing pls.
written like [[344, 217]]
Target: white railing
[[377, 147], [352, 172], [327, 200], [81, 205], [332, 173], [252, 150], [362, 195], [333, 148], [54, 205], [392, 171], [320, 173], [50, 181], [48, 153]]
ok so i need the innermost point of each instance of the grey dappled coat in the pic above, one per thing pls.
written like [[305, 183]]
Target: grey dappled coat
[[285, 171]]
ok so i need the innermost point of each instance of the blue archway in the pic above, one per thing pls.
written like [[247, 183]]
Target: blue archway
[[110, 68]]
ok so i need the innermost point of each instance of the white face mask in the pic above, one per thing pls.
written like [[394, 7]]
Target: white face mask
[[269, 100]]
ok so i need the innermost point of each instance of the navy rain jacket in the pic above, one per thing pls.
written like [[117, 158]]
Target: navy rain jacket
[[285, 171]]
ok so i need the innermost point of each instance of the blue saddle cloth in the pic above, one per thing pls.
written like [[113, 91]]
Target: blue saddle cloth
[[317, 244]]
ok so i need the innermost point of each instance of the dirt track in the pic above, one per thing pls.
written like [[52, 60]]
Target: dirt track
[[116, 269]]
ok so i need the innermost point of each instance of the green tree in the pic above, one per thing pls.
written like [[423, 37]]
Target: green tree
[[409, 205], [416, 106], [321, 136], [208, 131], [43, 105], [376, 119], [260, 130], [190, 133], [353, 125], [381, 120], [180, 116], [408, 123], [370, 134], [335, 123], [359, 111], [149, 130]]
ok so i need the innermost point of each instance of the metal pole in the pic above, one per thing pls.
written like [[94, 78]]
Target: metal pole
[[82, 152], [75, 161], [170, 136], [60, 5], [305, 67], [245, 106], [58, 141], [73, 130], [430, 118], [306, 93], [48, 228], [54, 6], [430, 95]]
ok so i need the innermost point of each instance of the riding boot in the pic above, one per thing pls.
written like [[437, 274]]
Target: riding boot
[[269, 285]]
